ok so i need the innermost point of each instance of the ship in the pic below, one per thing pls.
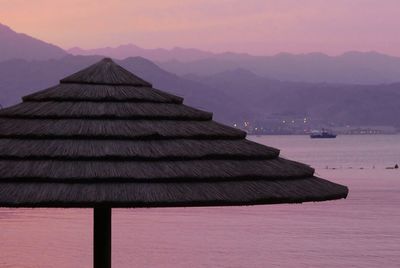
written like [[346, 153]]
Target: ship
[[324, 134]]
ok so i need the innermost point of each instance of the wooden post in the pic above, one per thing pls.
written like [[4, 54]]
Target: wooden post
[[101, 237]]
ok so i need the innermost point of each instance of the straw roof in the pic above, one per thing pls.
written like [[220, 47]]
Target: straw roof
[[105, 137]]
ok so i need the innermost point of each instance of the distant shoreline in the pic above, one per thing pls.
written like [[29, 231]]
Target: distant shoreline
[[297, 134]]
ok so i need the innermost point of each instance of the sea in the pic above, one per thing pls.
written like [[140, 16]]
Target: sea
[[360, 231]]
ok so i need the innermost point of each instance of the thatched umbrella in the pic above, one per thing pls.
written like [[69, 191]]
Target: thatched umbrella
[[105, 138]]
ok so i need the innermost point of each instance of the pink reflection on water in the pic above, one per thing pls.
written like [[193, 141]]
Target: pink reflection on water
[[362, 231], [45, 238]]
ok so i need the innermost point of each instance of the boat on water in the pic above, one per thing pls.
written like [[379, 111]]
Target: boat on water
[[324, 134]]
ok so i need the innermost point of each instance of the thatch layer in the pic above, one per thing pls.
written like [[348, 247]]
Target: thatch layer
[[105, 137], [105, 72], [102, 93], [117, 129], [189, 170], [104, 110], [179, 149], [172, 194]]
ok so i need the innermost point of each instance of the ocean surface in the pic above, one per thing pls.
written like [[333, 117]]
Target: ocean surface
[[361, 231]]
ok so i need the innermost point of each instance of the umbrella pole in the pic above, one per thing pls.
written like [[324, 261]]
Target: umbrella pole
[[102, 237]]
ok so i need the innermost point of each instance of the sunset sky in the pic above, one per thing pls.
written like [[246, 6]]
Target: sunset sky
[[254, 26]]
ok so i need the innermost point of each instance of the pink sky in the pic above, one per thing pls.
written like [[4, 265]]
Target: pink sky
[[254, 26]]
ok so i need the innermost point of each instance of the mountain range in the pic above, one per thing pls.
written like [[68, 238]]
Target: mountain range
[[15, 45], [22, 77], [320, 103], [231, 85], [351, 67], [157, 54], [234, 96]]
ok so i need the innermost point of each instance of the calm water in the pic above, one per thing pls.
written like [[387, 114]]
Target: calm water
[[361, 231]]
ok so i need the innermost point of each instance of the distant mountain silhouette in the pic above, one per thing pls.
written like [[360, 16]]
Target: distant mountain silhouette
[[233, 95], [158, 54], [338, 104], [21, 46], [236, 87], [351, 67], [21, 77]]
